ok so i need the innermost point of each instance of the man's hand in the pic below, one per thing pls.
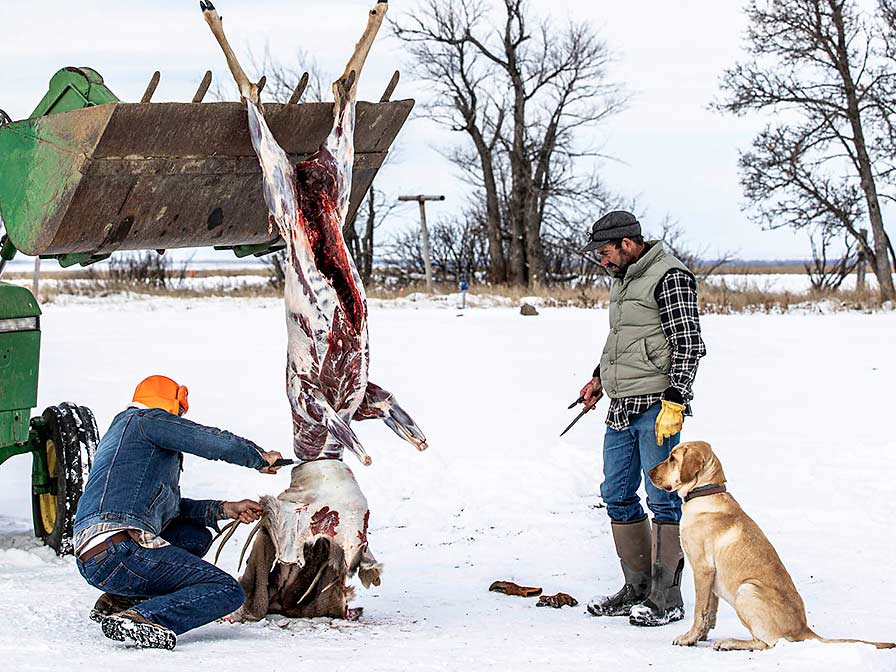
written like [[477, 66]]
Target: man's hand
[[669, 421], [270, 457], [245, 510], [591, 393]]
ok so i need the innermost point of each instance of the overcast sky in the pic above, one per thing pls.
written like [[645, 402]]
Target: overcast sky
[[672, 153]]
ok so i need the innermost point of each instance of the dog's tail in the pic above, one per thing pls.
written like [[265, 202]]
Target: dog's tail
[[878, 645]]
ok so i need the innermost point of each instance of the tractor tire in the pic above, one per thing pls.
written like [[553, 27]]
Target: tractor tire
[[88, 436], [65, 440]]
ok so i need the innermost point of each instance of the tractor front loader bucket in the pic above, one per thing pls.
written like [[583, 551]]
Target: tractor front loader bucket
[[85, 183]]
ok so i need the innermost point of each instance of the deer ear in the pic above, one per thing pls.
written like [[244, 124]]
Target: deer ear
[[691, 464]]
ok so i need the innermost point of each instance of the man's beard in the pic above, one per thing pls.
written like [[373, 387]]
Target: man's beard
[[615, 271]]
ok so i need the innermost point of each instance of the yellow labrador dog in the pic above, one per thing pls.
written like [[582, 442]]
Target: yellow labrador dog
[[731, 558]]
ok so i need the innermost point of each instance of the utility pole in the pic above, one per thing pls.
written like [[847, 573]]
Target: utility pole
[[424, 232]]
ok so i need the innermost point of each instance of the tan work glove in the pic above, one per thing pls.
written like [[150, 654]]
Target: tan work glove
[[511, 588], [669, 421]]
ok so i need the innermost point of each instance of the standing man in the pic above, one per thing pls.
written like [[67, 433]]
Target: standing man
[[142, 543], [647, 369]]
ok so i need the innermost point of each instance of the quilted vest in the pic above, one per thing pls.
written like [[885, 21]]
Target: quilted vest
[[637, 358]]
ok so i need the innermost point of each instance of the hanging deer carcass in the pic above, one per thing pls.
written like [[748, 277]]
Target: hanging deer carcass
[[314, 534]]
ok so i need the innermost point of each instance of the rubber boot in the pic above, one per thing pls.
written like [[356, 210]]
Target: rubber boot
[[664, 604], [633, 548]]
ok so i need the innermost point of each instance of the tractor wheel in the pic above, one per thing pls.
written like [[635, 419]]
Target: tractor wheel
[[67, 438], [88, 436]]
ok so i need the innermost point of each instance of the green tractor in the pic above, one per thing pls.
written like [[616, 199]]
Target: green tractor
[[88, 175], [61, 441]]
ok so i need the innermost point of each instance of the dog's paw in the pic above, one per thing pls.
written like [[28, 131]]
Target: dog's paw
[[739, 645], [687, 639]]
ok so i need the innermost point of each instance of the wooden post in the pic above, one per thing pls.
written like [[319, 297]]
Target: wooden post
[[424, 236], [863, 262], [35, 280], [424, 232]]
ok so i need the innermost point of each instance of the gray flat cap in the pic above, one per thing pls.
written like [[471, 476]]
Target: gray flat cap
[[613, 226]]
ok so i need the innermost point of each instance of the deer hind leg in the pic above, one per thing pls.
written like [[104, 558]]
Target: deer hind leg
[[345, 88], [278, 174], [248, 90]]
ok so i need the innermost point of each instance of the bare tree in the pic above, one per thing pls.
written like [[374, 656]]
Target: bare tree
[[137, 270], [457, 249], [378, 208], [281, 78], [702, 262], [819, 66], [828, 274], [465, 100], [521, 91]]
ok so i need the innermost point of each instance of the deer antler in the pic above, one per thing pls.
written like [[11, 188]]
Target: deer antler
[[248, 90]]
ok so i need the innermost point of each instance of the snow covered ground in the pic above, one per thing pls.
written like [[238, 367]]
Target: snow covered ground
[[799, 408], [796, 283]]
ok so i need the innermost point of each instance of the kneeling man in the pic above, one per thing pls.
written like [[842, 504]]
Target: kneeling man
[[142, 543]]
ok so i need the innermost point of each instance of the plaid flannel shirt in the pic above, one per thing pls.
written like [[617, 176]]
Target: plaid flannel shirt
[[142, 537], [676, 296]]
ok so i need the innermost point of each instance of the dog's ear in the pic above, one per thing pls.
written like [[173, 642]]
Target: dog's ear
[[691, 464]]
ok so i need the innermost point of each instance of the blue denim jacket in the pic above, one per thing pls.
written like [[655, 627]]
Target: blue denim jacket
[[134, 481]]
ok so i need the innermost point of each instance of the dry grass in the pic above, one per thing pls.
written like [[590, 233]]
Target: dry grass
[[759, 269], [724, 300], [49, 294], [90, 273], [585, 297], [714, 298]]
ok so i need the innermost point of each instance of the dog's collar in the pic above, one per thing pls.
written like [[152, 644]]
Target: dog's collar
[[704, 490]]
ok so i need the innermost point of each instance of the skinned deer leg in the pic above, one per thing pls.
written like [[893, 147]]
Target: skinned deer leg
[[346, 86], [248, 90]]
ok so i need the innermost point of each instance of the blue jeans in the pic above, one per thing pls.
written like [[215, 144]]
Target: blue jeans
[[628, 453], [182, 590]]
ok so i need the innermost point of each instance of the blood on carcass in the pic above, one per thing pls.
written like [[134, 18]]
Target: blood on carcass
[[325, 521]]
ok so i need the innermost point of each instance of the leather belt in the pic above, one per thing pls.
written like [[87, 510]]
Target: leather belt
[[104, 545]]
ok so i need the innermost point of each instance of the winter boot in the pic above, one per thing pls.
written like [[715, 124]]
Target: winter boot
[[109, 604], [633, 548], [131, 625], [664, 604]]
